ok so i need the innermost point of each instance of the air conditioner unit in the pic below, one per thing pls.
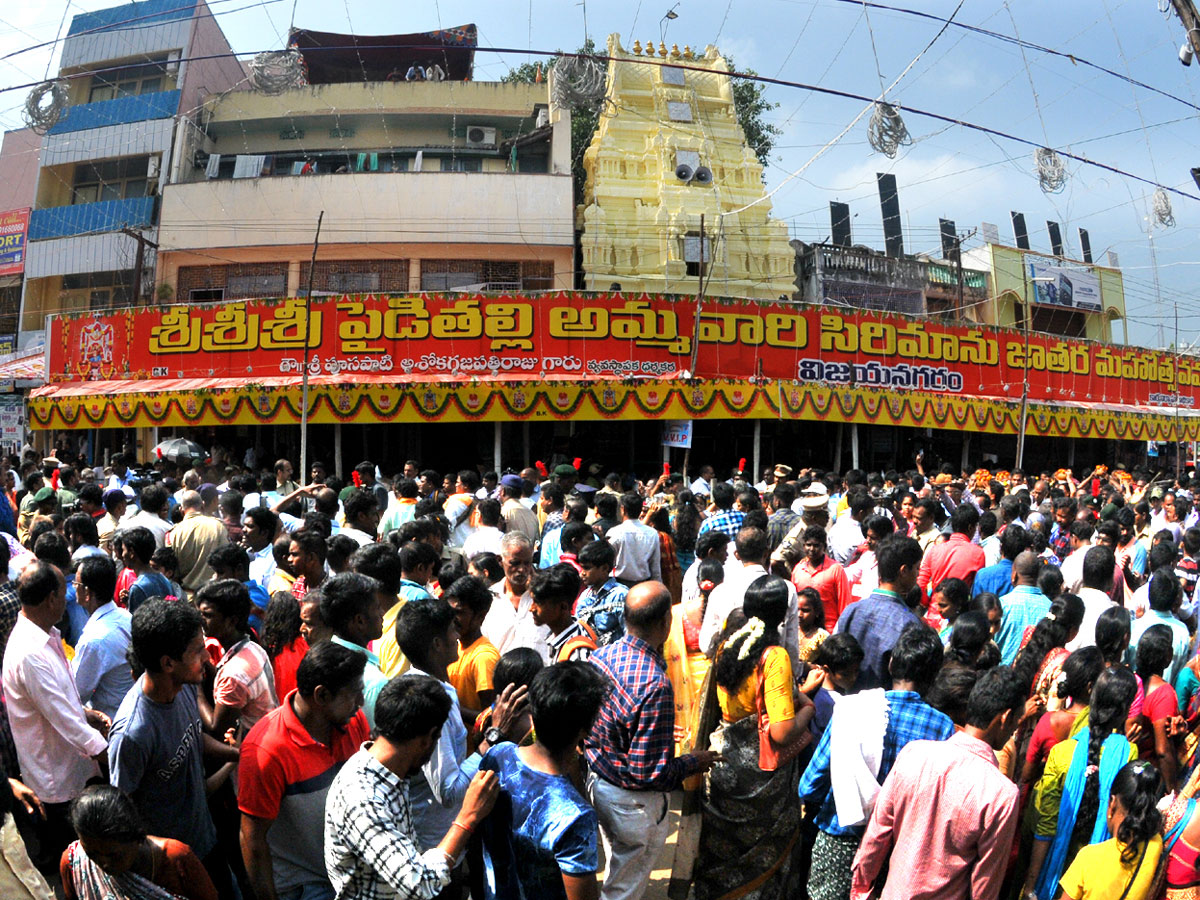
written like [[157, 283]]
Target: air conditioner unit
[[152, 166], [481, 137]]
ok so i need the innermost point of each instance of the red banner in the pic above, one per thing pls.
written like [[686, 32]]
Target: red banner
[[463, 337]]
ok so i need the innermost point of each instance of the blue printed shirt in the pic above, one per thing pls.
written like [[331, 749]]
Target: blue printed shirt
[[540, 829], [603, 608]]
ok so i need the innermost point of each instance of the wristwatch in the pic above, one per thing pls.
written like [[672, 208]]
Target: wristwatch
[[495, 736]]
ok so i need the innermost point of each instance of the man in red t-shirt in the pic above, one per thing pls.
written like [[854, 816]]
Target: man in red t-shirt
[[817, 570], [288, 761], [957, 557]]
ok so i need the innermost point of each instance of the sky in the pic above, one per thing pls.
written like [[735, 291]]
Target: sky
[[948, 171]]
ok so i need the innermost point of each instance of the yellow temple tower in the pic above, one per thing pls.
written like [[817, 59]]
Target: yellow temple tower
[[668, 149]]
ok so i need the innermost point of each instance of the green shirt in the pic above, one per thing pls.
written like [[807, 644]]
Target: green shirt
[[373, 678]]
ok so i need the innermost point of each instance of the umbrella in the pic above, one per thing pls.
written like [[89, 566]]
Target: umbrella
[[175, 449]]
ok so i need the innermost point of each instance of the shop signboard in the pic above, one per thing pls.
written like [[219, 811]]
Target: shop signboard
[[14, 225], [12, 421], [467, 338]]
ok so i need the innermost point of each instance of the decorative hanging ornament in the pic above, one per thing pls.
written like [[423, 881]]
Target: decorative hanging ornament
[[1052, 174]]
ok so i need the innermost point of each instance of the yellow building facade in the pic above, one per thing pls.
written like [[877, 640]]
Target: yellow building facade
[[669, 150]]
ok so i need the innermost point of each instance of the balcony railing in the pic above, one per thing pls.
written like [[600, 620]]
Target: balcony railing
[[841, 262], [90, 218], [120, 111]]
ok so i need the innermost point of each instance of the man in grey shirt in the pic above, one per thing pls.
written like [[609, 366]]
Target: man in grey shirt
[[637, 545], [156, 745]]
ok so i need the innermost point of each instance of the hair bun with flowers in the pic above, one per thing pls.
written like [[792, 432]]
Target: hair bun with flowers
[[748, 635]]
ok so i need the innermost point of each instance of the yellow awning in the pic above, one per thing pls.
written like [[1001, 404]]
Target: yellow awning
[[200, 403]]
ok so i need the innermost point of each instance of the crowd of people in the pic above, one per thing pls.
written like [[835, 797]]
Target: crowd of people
[[221, 682]]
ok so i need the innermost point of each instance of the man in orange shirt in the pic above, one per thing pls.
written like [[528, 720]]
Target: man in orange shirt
[[471, 674], [818, 570]]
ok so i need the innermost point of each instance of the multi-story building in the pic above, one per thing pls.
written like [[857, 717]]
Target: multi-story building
[[861, 278], [131, 70], [669, 156], [1067, 297], [424, 185]]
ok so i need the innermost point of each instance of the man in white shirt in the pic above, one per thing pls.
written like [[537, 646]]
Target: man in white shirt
[[119, 479], [751, 549], [259, 527], [460, 506], [60, 745], [1080, 542], [191, 482], [639, 552], [155, 502], [362, 517], [846, 535], [702, 486], [1098, 566], [487, 537], [428, 636], [509, 623]]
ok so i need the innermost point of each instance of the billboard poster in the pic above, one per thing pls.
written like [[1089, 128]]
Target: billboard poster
[[14, 224], [469, 338], [1074, 287]]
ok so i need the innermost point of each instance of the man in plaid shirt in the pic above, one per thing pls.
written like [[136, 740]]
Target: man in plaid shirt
[[1060, 533], [371, 849], [726, 518], [915, 661], [631, 750]]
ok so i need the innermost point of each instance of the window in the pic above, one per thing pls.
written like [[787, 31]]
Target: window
[[448, 281], [353, 282], [477, 274], [672, 75], [206, 295], [679, 111], [1047, 320], [696, 253], [129, 81], [115, 179], [239, 286], [462, 164], [105, 290]]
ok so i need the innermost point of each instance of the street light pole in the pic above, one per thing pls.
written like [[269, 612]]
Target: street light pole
[[1039, 279]]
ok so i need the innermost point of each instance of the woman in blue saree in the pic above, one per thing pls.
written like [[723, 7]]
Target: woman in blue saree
[[1074, 789]]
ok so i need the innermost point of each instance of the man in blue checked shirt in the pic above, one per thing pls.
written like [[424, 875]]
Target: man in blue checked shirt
[[915, 661], [631, 749], [726, 518]]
